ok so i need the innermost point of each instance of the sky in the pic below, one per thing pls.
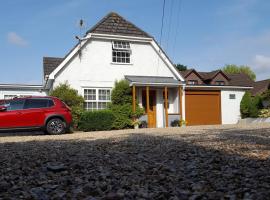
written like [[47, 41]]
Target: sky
[[204, 35]]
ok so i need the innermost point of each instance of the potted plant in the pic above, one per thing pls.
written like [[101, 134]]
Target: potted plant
[[136, 123], [183, 123]]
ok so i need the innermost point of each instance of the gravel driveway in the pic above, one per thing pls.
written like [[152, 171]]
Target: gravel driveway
[[207, 162]]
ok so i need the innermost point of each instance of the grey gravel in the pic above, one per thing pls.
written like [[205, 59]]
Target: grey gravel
[[205, 162]]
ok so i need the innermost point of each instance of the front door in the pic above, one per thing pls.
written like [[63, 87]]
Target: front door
[[152, 107]]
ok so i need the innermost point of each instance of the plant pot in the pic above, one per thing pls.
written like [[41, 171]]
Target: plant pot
[[136, 126]]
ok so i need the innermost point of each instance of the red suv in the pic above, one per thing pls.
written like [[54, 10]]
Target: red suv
[[47, 113]]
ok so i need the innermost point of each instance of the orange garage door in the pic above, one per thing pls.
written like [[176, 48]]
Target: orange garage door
[[203, 107]]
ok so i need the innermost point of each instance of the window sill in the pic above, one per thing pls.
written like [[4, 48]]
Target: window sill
[[115, 63]]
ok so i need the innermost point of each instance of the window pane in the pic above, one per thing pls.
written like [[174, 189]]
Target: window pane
[[102, 105], [104, 94], [90, 106], [90, 94], [16, 105]]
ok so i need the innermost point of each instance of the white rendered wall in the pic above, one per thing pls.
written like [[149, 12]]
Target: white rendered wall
[[230, 108], [95, 68], [20, 92]]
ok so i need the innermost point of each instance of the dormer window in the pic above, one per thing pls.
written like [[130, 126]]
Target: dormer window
[[121, 52], [192, 82], [220, 83]]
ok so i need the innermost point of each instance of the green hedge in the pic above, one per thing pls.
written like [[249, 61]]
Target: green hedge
[[96, 120]]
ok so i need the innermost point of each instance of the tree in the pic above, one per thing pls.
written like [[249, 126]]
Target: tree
[[181, 67], [233, 69], [71, 97]]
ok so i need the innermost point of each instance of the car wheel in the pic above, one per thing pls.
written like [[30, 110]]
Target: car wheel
[[55, 126]]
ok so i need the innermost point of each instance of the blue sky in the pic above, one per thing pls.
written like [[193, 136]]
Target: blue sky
[[204, 35]]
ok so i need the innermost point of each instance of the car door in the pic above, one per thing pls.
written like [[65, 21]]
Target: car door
[[12, 117], [34, 110]]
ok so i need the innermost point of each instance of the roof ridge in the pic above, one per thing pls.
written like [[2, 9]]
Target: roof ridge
[[128, 23]]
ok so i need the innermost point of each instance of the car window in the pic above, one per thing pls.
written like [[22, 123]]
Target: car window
[[36, 103], [15, 105], [50, 103]]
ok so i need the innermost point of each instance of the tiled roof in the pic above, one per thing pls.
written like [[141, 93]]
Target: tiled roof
[[240, 79], [186, 72], [114, 24], [208, 75], [50, 63], [260, 87]]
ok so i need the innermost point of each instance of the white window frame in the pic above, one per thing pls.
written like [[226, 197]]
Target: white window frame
[[97, 99], [121, 47]]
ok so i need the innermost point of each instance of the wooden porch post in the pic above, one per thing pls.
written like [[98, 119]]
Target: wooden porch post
[[147, 100], [166, 106], [180, 102], [133, 98]]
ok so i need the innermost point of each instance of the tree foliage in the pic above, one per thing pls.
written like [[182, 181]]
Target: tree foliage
[[181, 67], [233, 69], [71, 97]]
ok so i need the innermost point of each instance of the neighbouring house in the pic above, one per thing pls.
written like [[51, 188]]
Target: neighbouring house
[[9, 91], [116, 49], [259, 87], [214, 97]]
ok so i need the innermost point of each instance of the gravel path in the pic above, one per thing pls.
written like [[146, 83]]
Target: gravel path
[[207, 162]]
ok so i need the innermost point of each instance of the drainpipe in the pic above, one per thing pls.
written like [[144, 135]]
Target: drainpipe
[[184, 104]]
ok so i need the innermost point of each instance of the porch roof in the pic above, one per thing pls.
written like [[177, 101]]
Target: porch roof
[[152, 80]]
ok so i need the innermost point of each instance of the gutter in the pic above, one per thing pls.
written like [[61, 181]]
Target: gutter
[[219, 86], [155, 84]]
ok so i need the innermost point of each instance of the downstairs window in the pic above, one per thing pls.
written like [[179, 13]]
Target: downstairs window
[[96, 99]]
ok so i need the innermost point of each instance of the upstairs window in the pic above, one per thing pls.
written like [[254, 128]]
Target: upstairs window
[[121, 52], [192, 82], [220, 83]]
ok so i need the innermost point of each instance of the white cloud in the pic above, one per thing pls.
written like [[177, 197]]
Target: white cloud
[[262, 64], [14, 38]]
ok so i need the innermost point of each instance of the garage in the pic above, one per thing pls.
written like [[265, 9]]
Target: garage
[[203, 107]]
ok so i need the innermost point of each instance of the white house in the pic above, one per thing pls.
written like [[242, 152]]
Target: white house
[[116, 49]]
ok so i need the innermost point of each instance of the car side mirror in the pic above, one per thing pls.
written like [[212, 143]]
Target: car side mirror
[[3, 108]]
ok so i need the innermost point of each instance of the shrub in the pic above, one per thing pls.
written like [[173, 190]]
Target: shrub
[[96, 120], [121, 106], [71, 97], [264, 113], [250, 106], [245, 105], [121, 93]]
